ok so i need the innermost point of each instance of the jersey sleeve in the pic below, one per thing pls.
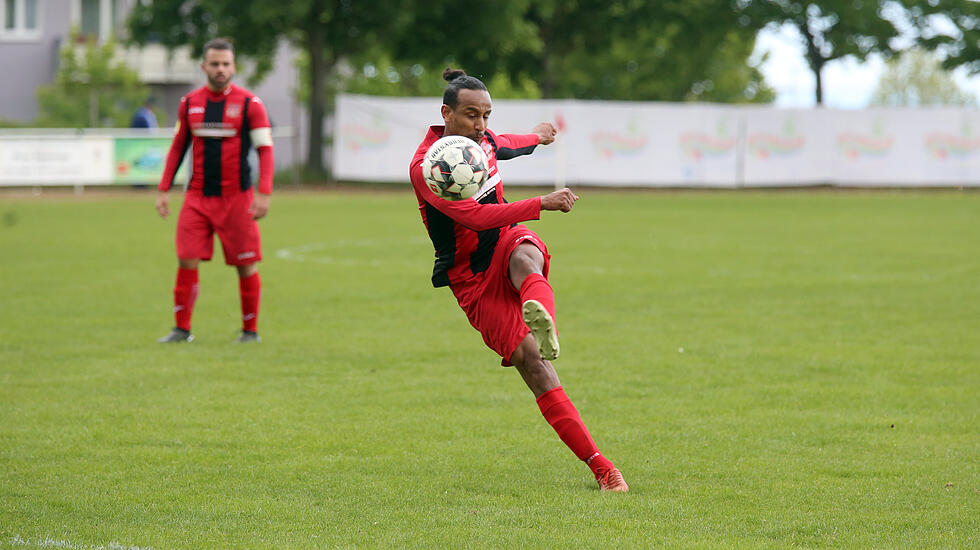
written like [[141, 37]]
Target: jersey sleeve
[[509, 146], [182, 140], [471, 214], [260, 133], [257, 115]]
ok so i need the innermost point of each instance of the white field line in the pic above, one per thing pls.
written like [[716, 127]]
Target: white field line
[[334, 252], [68, 545]]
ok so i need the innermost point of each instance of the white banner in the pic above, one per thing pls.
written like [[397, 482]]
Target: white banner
[[620, 144], [56, 160]]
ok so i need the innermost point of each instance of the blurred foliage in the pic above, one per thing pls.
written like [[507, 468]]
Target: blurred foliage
[[917, 79], [951, 27], [828, 29], [597, 49], [7, 123], [91, 89], [834, 29]]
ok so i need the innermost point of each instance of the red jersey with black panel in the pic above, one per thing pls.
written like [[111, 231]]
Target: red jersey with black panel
[[465, 233], [219, 128]]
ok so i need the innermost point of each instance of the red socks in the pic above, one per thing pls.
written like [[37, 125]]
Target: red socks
[[558, 410], [185, 294], [250, 288], [536, 287]]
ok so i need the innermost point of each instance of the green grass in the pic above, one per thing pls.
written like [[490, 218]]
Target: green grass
[[769, 370]]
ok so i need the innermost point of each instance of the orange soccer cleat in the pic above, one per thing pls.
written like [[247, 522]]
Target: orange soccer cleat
[[612, 481]]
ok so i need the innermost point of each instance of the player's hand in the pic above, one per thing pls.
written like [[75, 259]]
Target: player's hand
[[163, 204], [562, 199], [259, 207], [546, 131]]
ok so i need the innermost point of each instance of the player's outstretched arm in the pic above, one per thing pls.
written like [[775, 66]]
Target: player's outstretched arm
[[562, 199]]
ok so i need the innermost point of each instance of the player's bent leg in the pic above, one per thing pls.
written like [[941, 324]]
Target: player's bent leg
[[537, 297], [524, 260]]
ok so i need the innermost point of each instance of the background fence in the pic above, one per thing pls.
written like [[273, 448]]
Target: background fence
[[682, 144], [602, 143], [37, 157]]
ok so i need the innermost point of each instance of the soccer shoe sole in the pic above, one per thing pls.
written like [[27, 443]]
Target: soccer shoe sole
[[542, 326]]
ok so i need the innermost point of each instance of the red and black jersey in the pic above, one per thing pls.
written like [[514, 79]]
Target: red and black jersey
[[464, 233], [220, 127]]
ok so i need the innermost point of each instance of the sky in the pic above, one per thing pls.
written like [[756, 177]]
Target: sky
[[847, 83]]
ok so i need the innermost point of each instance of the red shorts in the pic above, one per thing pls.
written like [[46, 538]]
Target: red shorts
[[201, 217], [491, 303]]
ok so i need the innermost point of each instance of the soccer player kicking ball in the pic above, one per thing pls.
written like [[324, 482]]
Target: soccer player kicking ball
[[220, 122], [498, 269]]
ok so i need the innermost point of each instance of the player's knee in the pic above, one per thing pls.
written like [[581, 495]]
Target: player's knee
[[247, 270], [525, 260]]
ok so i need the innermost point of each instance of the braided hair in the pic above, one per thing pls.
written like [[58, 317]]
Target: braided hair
[[458, 80]]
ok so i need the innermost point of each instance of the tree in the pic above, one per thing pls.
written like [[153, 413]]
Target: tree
[[951, 27], [620, 49], [916, 79], [327, 31], [830, 29], [333, 33], [91, 88], [833, 29], [602, 49]]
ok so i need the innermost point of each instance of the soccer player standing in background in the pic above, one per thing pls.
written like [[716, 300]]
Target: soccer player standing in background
[[220, 122], [498, 269]]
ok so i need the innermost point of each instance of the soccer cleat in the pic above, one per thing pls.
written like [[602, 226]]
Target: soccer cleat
[[612, 481], [177, 335], [248, 336], [542, 327]]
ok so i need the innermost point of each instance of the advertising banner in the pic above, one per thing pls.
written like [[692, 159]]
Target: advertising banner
[[621, 144], [140, 160], [59, 160]]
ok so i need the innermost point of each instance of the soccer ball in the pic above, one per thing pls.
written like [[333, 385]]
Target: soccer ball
[[455, 167]]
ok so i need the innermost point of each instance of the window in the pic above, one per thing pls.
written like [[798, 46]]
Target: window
[[20, 19], [99, 18], [90, 17]]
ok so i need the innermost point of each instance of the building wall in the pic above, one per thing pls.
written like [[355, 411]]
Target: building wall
[[27, 63]]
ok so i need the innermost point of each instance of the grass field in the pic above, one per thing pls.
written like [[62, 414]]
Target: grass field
[[769, 370]]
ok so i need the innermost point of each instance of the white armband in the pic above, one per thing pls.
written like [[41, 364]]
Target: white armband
[[261, 137]]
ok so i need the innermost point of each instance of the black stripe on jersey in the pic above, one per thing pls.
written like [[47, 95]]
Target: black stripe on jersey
[[486, 242], [443, 235], [506, 153], [213, 112], [246, 140], [187, 143]]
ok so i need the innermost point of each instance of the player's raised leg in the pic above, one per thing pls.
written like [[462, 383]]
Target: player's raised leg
[[537, 297]]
